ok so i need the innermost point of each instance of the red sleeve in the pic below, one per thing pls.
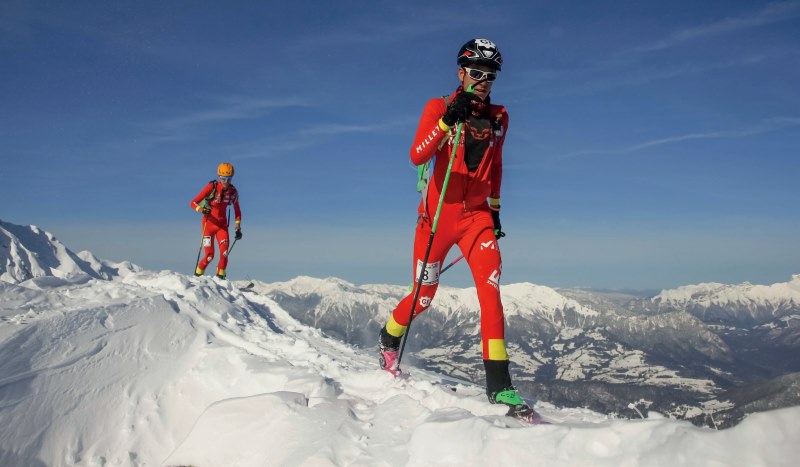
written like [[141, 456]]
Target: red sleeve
[[497, 161], [201, 196], [429, 134], [237, 212]]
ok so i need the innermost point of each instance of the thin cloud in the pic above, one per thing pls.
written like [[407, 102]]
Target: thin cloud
[[334, 129], [623, 68], [592, 81], [234, 108], [403, 28], [772, 13], [311, 136], [772, 124]]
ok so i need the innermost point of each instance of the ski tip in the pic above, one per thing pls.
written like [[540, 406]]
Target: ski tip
[[532, 420], [538, 420], [527, 415]]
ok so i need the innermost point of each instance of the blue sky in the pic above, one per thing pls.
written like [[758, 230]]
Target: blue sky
[[651, 144]]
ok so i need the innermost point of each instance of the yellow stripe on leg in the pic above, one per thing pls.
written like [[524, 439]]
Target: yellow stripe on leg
[[497, 349], [395, 329]]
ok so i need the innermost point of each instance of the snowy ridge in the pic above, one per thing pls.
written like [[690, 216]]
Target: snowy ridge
[[159, 368], [545, 328], [28, 252], [759, 301], [534, 312], [725, 293], [524, 299], [333, 292]]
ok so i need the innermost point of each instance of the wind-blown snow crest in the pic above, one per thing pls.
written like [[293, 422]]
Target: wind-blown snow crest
[[160, 368]]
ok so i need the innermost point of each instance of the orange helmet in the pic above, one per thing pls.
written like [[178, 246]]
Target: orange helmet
[[225, 169]]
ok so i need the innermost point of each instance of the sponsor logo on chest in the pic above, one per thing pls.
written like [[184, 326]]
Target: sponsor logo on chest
[[224, 198]]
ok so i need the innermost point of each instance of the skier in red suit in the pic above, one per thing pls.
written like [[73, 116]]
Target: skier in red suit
[[213, 201], [469, 215]]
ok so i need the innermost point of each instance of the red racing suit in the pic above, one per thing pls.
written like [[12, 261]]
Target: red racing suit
[[215, 223], [465, 218]]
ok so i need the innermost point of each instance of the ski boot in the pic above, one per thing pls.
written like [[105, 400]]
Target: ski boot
[[517, 408], [388, 351]]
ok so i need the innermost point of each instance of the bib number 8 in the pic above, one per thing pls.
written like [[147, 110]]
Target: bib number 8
[[430, 276]]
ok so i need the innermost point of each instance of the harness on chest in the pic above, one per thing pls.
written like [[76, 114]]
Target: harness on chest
[[479, 135]]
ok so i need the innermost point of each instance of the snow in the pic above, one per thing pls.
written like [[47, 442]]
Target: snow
[[523, 299], [518, 298], [707, 294], [104, 364], [28, 252]]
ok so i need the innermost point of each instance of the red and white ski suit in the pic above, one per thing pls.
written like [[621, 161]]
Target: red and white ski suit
[[465, 218], [215, 223]]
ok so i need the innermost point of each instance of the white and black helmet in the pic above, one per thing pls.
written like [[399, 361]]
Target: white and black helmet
[[480, 52]]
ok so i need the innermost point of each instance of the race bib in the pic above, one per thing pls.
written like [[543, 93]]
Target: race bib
[[206, 241], [430, 276]]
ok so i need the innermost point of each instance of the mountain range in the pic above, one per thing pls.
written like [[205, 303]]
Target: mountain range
[[709, 352]]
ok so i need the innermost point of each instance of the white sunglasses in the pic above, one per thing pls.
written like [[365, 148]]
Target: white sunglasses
[[480, 75]]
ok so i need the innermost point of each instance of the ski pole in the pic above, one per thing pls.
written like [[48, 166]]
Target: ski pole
[[411, 285], [202, 236], [451, 264], [228, 223], [430, 242]]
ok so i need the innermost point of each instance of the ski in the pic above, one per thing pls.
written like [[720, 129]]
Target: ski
[[526, 415]]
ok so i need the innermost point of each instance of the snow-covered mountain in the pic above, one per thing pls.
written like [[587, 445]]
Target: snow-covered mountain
[[159, 368], [28, 252], [570, 347], [759, 323], [537, 313], [740, 304]]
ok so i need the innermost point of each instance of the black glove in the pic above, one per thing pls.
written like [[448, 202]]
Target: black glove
[[459, 108], [206, 210], [238, 235], [498, 230]]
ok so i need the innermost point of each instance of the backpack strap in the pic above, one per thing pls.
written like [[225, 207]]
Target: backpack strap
[[213, 190], [424, 170]]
